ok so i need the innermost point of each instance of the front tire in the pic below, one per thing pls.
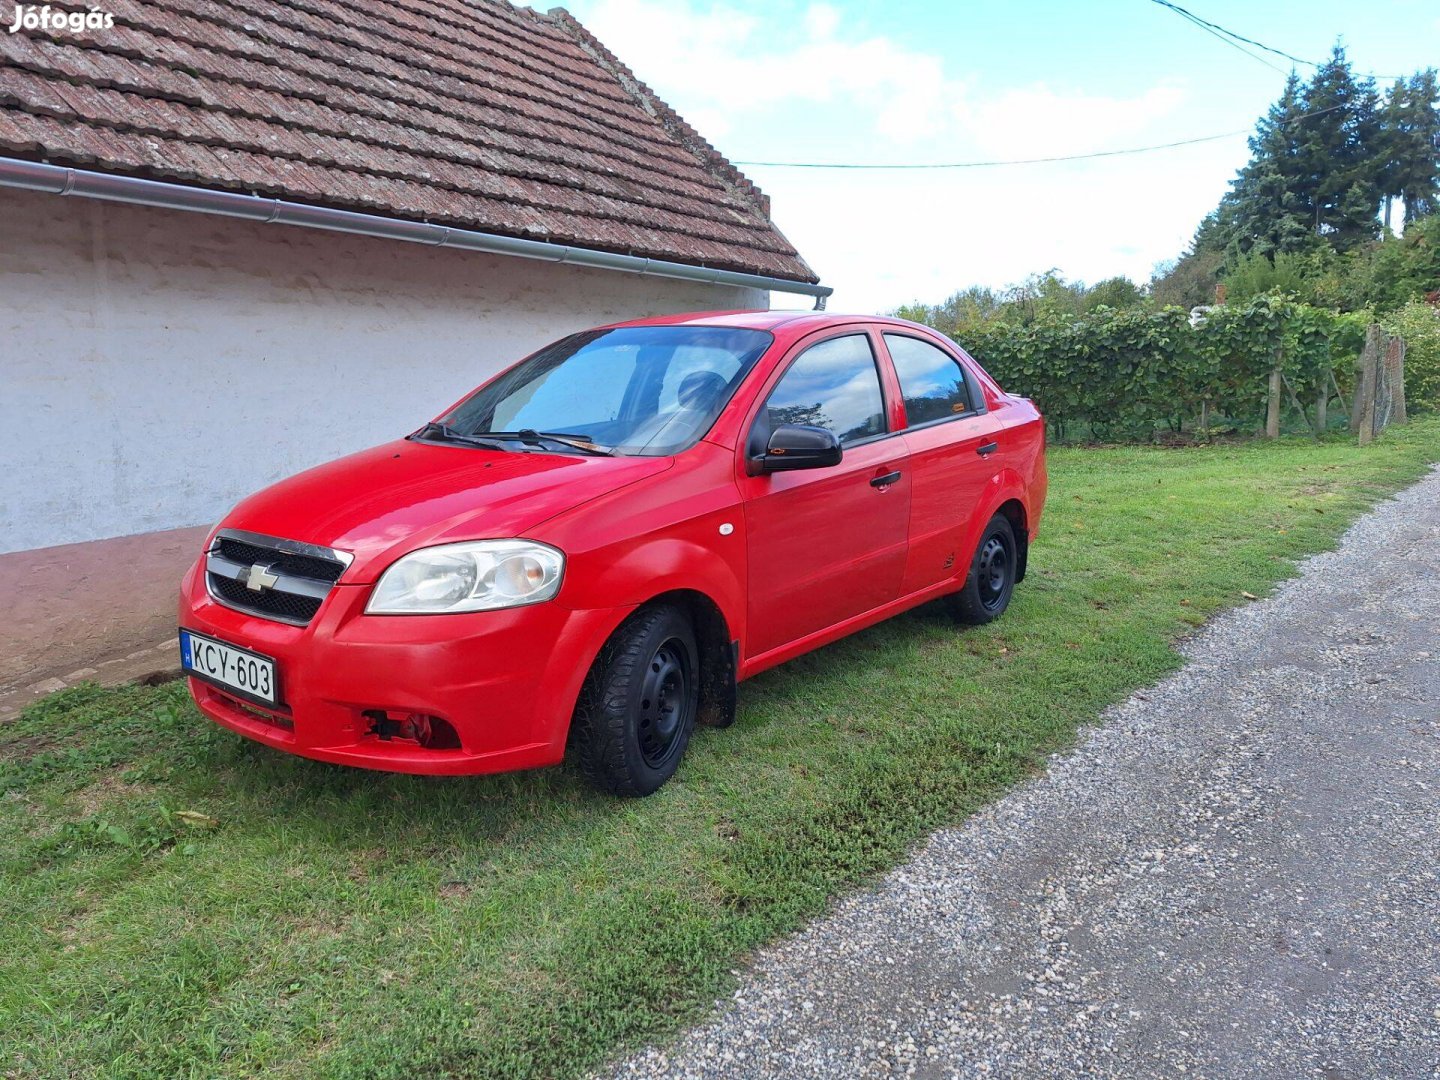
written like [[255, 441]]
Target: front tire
[[992, 575], [638, 706]]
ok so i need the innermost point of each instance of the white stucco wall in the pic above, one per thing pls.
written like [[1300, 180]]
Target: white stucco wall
[[156, 366]]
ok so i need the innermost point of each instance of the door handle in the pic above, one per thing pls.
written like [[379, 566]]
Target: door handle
[[988, 449], [886, 480]]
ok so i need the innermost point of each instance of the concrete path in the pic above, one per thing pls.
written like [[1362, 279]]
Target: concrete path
[[102, 611], [1236, 875]]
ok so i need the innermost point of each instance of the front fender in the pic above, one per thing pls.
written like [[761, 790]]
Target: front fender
[[614, 586], [649, 568]]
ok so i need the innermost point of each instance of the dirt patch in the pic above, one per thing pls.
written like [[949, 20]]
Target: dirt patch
[[27, 746], [362, 862], [105, 791]]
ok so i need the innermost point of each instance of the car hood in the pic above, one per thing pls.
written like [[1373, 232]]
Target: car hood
[[383, 502]]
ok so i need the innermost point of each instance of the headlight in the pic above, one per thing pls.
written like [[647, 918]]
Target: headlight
[[477, 576]]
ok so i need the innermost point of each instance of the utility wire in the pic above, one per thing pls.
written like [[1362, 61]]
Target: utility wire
[[1229, 37], [1029, 161], [988, 164], [1220, 32]]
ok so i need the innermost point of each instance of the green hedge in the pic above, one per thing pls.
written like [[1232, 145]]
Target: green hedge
[[1126, 374]]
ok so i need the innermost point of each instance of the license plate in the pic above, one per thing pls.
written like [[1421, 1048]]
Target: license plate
[[240, 671]]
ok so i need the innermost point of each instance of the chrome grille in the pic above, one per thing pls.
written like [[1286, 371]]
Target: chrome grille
[[284, 580], [321, 568]]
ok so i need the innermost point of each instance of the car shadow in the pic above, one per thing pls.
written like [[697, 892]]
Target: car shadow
[[369, 808]]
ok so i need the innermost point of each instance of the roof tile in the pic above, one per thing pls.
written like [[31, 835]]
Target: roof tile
[[475, 114]]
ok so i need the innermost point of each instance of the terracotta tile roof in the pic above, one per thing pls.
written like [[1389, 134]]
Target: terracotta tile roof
[[465, 112]]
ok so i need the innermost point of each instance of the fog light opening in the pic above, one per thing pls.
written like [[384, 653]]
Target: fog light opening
[[430, 732]]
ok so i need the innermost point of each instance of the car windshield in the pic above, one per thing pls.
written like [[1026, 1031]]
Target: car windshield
[[642, 390]]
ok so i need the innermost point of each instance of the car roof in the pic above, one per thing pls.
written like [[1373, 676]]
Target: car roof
[[792, 321]]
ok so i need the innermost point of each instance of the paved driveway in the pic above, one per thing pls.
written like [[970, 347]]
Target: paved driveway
[[1234, 876]]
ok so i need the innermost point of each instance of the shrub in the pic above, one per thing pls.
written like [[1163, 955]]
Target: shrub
[[1123, 374], [1292, 272]]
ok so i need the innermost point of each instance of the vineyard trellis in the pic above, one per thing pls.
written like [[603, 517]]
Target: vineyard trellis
[[1124, 373]]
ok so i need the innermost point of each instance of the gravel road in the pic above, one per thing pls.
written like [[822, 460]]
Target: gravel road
[[1236, 875]]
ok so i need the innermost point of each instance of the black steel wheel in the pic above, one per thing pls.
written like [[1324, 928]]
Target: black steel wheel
[[637, 710], [993, 567], [667, 703], [987, 589]]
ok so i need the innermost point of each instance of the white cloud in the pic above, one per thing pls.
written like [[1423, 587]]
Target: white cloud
[[821, 20], [714, 59], [818, 88]]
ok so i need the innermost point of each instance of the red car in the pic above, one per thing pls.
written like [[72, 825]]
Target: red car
[[596, 545]]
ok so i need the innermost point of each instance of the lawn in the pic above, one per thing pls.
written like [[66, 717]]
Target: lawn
[[181, 902]]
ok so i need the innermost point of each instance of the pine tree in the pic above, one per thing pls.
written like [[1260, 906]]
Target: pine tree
[[1392, 144], [1421, 190], [1410, 142], [1215, 230], [1269, 207], [1322, 160], [1340, 155]]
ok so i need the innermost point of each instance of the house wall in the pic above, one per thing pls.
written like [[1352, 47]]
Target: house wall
[[158, 366]]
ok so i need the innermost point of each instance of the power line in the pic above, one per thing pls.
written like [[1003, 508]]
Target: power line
[[988, 164], [1219, 31], [1028, 161], [1234, 40]]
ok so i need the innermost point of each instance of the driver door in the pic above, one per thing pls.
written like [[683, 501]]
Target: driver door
[[826, 544]]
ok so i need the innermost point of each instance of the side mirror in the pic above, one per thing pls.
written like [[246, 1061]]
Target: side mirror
[[800, 446]]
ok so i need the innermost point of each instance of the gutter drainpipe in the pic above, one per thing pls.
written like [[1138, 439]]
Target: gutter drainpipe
[[61, 180]]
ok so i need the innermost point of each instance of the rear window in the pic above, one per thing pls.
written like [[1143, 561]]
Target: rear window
[[932, 382]]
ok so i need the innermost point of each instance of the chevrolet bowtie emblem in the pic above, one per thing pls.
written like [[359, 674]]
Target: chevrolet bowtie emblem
[[259, 578]]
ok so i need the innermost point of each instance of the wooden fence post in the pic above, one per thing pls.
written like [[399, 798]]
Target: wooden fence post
[[1272, 407], [1362, 412], [1395, 375]]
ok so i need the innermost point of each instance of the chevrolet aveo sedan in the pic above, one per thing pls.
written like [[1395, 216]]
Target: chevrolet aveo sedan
[[595, 546]]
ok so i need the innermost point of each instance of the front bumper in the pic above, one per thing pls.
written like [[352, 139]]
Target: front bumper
[[506, 681]]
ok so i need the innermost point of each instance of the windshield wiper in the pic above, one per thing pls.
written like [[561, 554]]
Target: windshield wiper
[[531, 437], [436, 430]]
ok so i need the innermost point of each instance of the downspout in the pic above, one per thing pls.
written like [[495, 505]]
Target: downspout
[[61, 180]]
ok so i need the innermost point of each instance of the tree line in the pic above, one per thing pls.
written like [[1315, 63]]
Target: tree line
[[1328, 163], [1312, 218]]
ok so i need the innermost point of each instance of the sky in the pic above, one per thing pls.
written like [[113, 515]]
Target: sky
[[923, 82]]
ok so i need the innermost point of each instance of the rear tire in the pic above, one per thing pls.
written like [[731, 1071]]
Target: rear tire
[[992, 575], [637, 709]]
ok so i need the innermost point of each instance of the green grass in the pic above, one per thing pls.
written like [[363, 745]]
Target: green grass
[[322, 921]]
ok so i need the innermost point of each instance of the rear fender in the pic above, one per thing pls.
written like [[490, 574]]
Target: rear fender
[[1005, 486]]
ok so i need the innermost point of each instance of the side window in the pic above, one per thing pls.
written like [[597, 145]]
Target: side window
[[832, 385], [932, 382]]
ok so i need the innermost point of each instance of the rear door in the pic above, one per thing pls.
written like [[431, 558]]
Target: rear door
[[826, 544], [952, 441]]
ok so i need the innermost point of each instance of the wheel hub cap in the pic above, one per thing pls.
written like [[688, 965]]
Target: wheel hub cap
[[993, 572], [664, 699]]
